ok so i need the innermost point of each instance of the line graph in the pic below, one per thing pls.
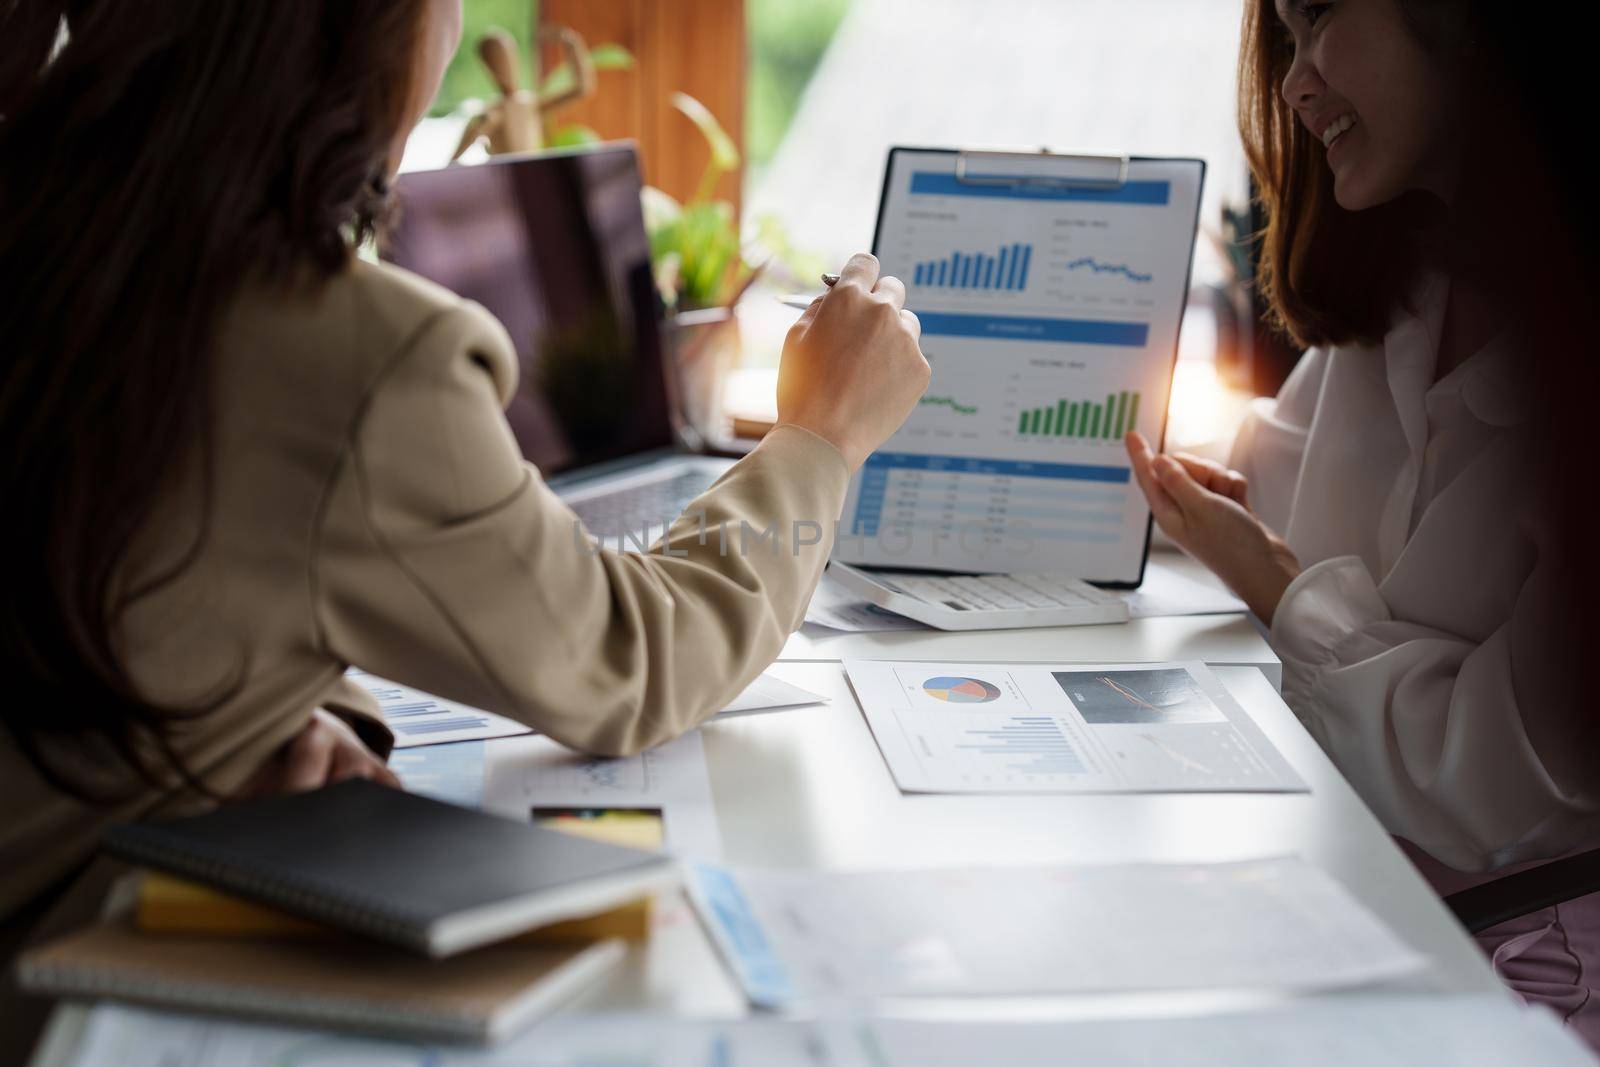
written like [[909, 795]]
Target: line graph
[[1095, 266], [949, 402]]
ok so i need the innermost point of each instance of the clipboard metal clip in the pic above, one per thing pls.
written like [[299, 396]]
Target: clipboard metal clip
[[1115, 168]]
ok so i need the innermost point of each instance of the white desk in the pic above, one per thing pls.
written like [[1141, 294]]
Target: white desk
[[1220, 640], [808, 788]]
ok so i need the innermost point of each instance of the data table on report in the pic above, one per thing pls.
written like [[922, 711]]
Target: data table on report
[[1050, 317]]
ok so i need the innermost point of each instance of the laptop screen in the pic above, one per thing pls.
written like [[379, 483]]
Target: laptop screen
[[554, 246]]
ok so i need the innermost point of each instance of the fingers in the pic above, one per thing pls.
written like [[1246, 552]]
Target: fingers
[[893, 289], [1214, 476], [354, 760], [913, 323], [861, 269], [326, 751], [1179, 483], [308, 759], [1162, 506]]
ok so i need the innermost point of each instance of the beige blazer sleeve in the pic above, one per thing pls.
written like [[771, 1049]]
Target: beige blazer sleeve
[[443, 561]]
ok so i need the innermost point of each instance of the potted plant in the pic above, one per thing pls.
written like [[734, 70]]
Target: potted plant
[[697, 260], [701, 272]]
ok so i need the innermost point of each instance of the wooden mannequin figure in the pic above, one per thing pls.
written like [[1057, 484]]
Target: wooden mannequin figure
[[516, 121]]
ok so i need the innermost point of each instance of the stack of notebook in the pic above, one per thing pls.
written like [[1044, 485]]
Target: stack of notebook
[[363, 906]]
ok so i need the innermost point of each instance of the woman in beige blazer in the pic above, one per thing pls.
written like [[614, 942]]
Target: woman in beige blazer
[[238, 460]]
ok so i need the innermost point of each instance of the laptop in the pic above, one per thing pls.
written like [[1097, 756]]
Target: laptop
[[553, 245]]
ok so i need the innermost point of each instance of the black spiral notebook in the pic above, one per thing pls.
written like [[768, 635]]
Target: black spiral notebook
[[396, 867]]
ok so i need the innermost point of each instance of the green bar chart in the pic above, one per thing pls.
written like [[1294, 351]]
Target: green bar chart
[[1106, 419]]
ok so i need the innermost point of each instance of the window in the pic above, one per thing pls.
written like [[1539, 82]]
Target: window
[[1151, 77], [1146, 77]]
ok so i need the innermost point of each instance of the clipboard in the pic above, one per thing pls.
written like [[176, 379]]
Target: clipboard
[[1051, 288], [969, 164]]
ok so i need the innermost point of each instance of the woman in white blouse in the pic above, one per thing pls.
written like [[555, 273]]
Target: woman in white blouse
[[1396, 516]]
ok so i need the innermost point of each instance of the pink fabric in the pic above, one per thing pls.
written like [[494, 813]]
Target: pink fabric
[[1552, 957], [1549, 957]]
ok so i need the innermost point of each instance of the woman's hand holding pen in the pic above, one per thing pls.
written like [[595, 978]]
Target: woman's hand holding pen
[[1203, 506], [852, 367]]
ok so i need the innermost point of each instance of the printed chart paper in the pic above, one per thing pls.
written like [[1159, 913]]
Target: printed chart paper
[[821, 936], [1034, 728], [419, 718], [529, 773]]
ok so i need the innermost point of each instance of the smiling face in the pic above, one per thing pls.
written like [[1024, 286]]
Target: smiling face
[[1382, 103]]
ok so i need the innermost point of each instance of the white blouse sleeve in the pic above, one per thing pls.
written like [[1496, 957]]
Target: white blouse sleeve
[[1272, 439], [1430, 728]]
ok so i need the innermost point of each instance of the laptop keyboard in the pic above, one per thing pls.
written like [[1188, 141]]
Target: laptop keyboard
[[641, 507]]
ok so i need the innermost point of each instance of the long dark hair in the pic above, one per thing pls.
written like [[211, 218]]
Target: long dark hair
[[1333, 276], [1521, 231], [154, 157]]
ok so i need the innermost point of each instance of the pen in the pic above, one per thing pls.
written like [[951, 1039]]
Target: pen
[[828, 281]]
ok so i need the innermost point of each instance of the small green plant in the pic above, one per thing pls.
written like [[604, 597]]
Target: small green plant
[[694, 246], [695, 249]]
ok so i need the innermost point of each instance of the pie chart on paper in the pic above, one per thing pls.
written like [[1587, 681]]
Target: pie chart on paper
[[955, 690]]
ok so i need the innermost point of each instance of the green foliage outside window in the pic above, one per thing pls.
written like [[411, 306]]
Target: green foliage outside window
[[787, 39], [466, 79]]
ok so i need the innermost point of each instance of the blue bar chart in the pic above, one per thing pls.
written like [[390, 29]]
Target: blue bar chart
[[1005, 268], [1025, 744]]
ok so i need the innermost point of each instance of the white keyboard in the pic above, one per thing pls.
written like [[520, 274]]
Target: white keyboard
[[983, 601]]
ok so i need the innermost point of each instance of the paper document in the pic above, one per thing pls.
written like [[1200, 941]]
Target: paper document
[[1361, 1031], [419, 718], [768, 693], [1033, 728], [1404, 1031], [1052, 311], [1165, 591], [1479, 1031], [820, 936], [126, 1037], [534, 773], [451, 773], [838, 608]]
